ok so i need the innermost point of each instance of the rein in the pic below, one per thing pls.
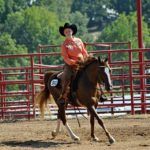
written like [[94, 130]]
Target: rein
[[77, 115]]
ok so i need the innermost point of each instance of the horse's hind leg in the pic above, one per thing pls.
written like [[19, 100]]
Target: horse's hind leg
[[55, 132], [93, 112], [92, 121], [62, 116]]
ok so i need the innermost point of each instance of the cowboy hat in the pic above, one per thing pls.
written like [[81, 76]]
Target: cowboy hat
[[67, 25]]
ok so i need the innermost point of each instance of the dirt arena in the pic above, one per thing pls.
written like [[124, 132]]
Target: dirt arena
[[130, 132]]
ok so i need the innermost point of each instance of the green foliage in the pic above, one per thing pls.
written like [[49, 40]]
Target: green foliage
[[8, 46], [81, 21], [35, 25], [123, 6], [128, 6], [60, 7], [41, 27], [14, 25], [64, 15], [10, 6], [122, 30], [42, 2], [125, 29], [39, 23], [96, 11], [146, 10]]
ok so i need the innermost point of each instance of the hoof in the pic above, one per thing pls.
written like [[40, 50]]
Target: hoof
[[76, 139], [95, 139], [54, 134], [111, 140]]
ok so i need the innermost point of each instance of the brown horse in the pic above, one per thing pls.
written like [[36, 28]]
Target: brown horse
[[93, 71]]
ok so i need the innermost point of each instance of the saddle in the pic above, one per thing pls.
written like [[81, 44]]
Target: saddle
[[56, 81]]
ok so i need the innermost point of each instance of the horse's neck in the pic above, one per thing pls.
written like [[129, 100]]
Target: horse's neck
[[91, 72]]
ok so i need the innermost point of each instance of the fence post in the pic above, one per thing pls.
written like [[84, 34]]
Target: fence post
[[131, 83], [39, 51], [2, 98], [40, 60], [142, 82], [130, 45], [122, 74], [141, 54], [28, 91], [109, 55], [33, 90], [1, 95]]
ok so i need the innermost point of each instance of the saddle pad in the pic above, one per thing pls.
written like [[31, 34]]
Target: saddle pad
[[54, 82]]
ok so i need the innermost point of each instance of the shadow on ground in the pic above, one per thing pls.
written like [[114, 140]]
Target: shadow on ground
[[35, 144]]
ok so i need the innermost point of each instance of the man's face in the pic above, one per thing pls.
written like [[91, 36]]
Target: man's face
[[68, 32]]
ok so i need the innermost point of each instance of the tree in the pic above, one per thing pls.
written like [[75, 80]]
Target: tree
[[10, 6], [38, 25], [146, 10], [128, 6], [45, 3], [41, 27], [81, 21], [96, 10], [76, 17], [125, 6], [60, 7], [33, 26], [8, 46], [122, 30], [14, 25]]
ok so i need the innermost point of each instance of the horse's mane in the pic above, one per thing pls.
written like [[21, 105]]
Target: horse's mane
[[89, 60]]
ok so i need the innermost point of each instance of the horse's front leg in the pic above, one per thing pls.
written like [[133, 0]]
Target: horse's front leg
[[93, 111], [55, 132], [92, 121], [62, 116]]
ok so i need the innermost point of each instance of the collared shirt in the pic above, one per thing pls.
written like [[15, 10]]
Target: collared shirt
[[72, 50]]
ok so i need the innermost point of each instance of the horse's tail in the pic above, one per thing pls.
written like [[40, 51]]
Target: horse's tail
[[44, 95]]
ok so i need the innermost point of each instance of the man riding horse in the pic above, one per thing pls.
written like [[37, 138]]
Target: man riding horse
[[93, 71], [73, 52]]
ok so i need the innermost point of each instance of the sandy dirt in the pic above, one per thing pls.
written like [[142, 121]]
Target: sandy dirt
[[130, 132]]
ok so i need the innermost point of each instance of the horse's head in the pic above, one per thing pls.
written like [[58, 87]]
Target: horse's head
[[104, 73]]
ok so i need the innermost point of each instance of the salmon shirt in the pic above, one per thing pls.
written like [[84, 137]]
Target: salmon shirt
[[72, 50]]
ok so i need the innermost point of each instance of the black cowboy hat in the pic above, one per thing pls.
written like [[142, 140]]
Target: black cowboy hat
[[67, 25]]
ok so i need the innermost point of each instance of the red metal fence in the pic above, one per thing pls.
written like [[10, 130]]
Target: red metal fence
[[131, 80]]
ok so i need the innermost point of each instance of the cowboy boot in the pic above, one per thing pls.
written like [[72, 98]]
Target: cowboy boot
[[62, 99]]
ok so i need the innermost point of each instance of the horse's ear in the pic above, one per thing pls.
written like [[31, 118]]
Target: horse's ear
[[99, 59]]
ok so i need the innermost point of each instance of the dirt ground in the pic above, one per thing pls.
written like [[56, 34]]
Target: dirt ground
[[130, 132]]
